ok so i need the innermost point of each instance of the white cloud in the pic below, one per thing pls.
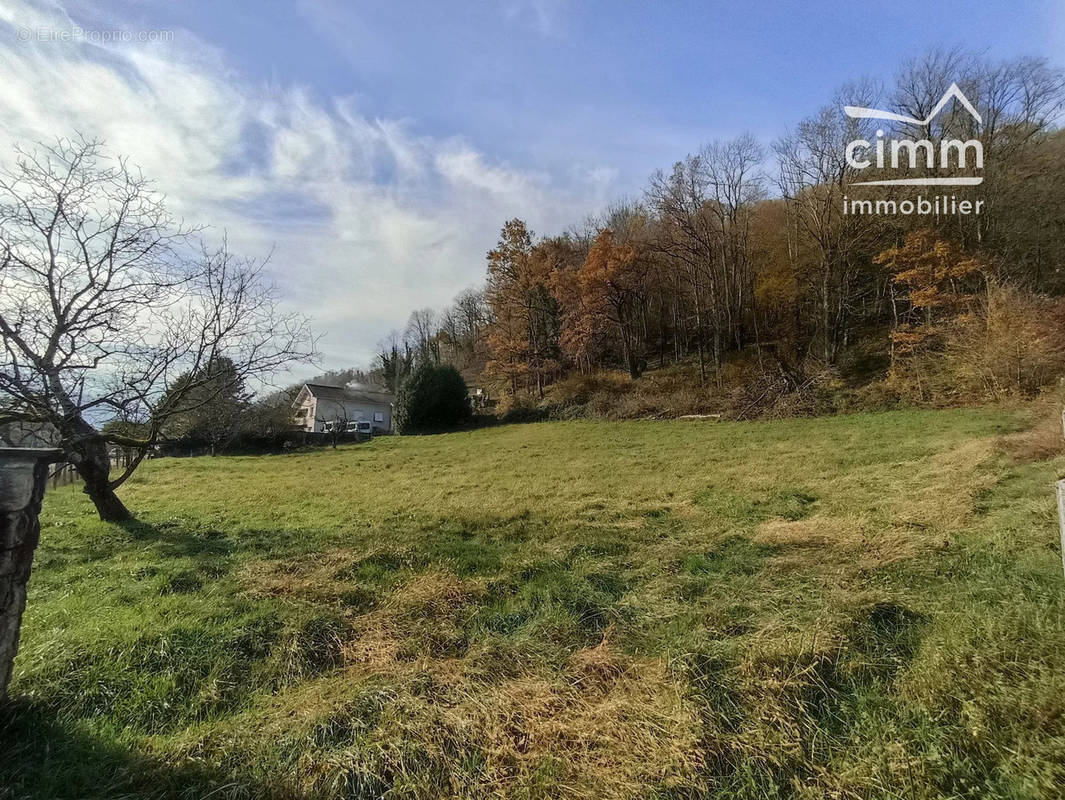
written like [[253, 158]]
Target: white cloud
[[465, 169], [546, 16], [366, 219]]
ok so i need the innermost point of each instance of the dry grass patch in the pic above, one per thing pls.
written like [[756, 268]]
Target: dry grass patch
[[610, 727], [422, 619], [310, 578], [1043, 439], [439, 595], [418, 618], [941, 491], [820, 542]]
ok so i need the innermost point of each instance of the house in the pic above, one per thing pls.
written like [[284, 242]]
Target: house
[[319, 407], [480, 401]]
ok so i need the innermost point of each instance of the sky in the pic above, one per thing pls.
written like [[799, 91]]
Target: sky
[[374, 149]]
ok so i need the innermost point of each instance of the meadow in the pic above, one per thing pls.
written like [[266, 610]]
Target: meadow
[[861, 606]]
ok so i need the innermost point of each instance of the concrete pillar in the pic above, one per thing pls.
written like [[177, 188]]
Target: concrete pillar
[[23, 474]]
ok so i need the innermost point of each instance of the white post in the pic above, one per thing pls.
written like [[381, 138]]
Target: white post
[[1061, 518]]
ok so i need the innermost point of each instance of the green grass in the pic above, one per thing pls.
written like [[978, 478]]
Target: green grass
[[868, 606]]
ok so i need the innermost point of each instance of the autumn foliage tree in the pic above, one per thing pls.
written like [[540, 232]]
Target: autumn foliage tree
[[605, 301], [936, 280], [524, 336]]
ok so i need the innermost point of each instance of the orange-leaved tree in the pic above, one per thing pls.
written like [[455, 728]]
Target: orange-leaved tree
[[938, 281], [523, 333], [611, 290]]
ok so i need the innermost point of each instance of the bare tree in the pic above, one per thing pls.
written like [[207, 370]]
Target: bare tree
[[335, 425], [461, 328], [104, 304], [393, 361], [1019, 100], [420, 334], [689, 240], [704, 206], [813, 174], [733, 174]]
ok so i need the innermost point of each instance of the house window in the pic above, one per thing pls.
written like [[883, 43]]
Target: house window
[[378, 416]]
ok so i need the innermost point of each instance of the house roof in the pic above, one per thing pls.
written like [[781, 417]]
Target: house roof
[[343, 393]]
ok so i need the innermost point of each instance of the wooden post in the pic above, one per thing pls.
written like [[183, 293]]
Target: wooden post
[[1061, 519]]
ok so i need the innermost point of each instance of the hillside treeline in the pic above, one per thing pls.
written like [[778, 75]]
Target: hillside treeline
[[737, 282]]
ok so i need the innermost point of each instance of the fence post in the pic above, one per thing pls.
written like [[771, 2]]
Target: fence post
[[1061, 519]]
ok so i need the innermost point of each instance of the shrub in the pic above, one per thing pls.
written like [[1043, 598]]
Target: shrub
[[1008, 344], [433, 398], [1011, 346]]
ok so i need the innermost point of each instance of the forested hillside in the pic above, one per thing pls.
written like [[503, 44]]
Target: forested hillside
[[738, 283]]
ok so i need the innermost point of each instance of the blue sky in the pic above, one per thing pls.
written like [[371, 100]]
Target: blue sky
[[378, 146]]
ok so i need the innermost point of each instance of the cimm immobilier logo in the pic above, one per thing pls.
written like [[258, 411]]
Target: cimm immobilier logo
[[900, 154]]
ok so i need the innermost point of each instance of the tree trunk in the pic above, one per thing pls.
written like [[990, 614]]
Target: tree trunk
[[94, 466], [21, 490], [826, 317], [629, 354]]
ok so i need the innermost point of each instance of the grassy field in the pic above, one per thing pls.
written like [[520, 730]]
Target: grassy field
[[864, 606]]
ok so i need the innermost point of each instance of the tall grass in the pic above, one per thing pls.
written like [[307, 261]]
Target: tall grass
[[867, 606]]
